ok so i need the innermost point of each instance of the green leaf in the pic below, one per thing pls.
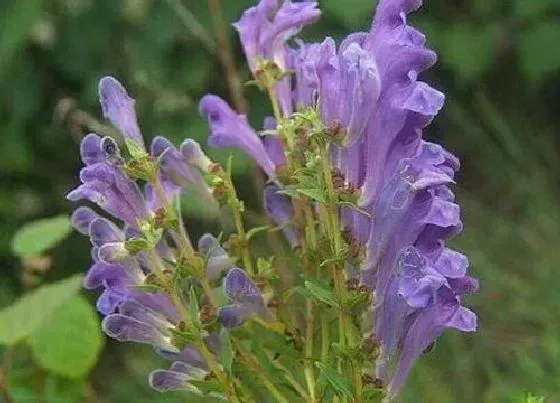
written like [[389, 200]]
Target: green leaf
[[194, 308], [77, 325], [315, 194], [226, 350], [320, 293], [25, 316], [537, 59], [38, 236], [340, 384]]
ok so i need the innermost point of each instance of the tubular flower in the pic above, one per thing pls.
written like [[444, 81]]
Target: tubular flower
[[373, 109], [364, 201]]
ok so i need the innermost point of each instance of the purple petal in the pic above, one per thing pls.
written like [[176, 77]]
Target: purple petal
[[239, 288], [279, 207], [90, 149], [81, 219], [118, 107], [165, 381], [124, 328], [228, 129]]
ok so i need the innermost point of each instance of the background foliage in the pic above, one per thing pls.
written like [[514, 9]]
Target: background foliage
[[500, 67]]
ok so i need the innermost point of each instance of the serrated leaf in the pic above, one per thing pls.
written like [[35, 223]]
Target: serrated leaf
[[226, 350], [30, 312], [340, 384], [38, 236], [77, 325], [537, 59], [320, 293]]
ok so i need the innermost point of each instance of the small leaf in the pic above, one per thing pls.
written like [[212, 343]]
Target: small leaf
[[315, 194], [31, 311], [226, 350], [135, 245], [38, 236], [194, 308], [319, 292], [340, 384], [70, 343]]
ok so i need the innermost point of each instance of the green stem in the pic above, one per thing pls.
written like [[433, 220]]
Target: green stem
[[185, 243], [237, 209], [256, 367], [309, 370]]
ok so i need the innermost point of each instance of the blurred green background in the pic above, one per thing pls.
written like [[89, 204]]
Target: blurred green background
[[499, 64]]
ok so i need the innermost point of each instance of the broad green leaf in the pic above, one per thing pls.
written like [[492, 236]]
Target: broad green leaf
[[30, 312], [69, 344], [319, 292], [226, 350], [340, 384], [38, 236], [537, 57]]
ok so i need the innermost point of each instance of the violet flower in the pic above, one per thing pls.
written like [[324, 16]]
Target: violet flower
[[118, 107], [228, 129], [245, 300]]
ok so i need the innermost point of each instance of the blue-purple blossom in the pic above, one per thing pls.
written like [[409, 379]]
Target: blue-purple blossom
[[264, 31], [228, 129], [107, 186], [216, 257], [118, 107], [177, 377], [245, 299], [280, 208]]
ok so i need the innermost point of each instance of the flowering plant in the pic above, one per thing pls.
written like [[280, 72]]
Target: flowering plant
[[363, 201]]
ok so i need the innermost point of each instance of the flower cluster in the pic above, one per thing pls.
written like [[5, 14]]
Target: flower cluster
[[363, 201]]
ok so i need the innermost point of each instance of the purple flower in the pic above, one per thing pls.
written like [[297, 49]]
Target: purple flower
[[177, 377], [349, 86], [118, 107], [279, 207], [228, 129], [425, 326], [264, 29], [105, 185], [216, 257], [405, 105], [245, 300]]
